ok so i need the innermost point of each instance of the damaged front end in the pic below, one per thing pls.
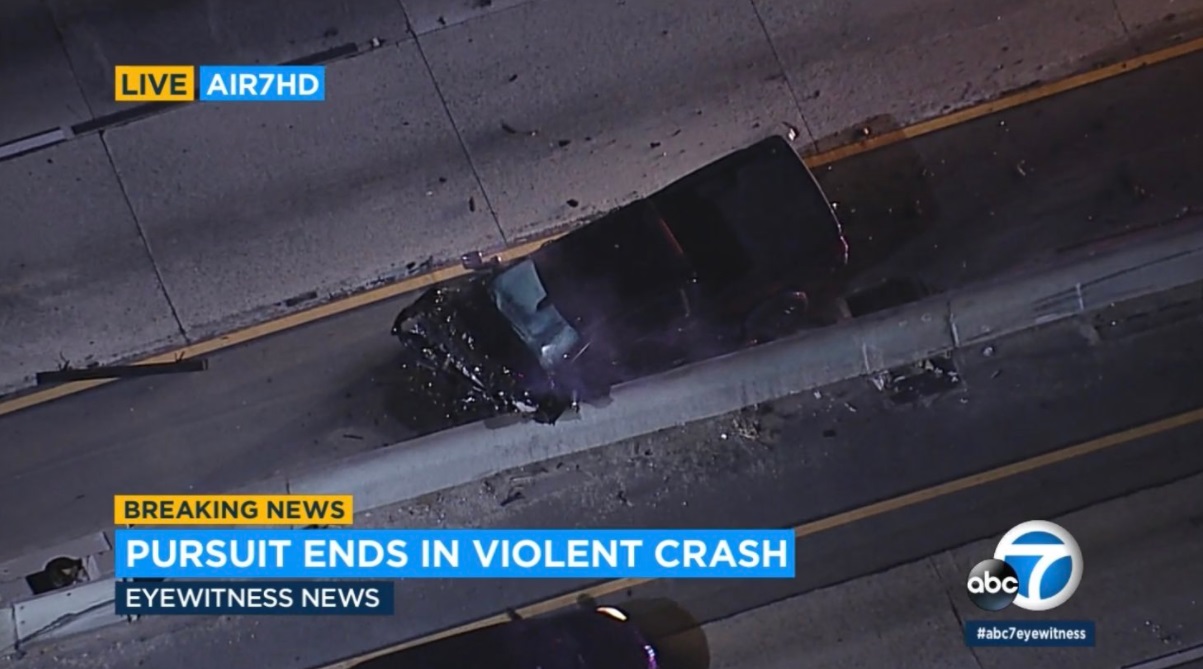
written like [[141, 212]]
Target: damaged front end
[[462, 362]]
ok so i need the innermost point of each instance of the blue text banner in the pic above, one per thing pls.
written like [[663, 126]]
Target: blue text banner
[[393, 554]]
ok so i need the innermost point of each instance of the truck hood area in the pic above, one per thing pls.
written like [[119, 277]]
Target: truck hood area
[[455, 347]]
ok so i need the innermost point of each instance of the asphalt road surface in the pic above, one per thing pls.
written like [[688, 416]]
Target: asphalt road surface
[[211, 216], [1142, 586], [990, 196], [796, 460]]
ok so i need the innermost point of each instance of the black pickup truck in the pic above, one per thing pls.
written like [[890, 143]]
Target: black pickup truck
[[740, 251]]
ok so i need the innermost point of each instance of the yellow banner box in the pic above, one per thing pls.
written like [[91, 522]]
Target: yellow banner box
[[258, 510], [154, 83]]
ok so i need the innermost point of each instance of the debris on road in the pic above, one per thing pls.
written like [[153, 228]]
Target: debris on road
[[67, 374], [924, 379]]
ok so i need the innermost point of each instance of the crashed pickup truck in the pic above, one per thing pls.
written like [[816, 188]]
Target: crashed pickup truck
[[740, 251]]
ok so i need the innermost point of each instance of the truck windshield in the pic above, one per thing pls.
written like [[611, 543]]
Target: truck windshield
[[520, 296]]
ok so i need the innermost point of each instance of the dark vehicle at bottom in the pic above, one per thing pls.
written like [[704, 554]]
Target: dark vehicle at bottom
[[595, 638], [738, 252]]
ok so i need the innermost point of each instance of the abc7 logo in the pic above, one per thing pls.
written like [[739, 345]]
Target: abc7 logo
[[1049, 569]]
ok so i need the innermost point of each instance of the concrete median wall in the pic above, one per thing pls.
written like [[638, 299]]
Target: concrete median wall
[[967, 318]]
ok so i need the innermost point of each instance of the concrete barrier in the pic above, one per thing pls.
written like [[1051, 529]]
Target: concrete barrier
[[877, 342]]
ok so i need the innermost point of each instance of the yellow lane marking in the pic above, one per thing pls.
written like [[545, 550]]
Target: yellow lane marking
[[271, 327], [831, 522], [1005, 102], [411, 284], [1021, 97]]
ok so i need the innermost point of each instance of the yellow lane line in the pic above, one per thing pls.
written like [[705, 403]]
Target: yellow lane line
[[1021, 97], [831, 522], [411, 284], [270, 327]]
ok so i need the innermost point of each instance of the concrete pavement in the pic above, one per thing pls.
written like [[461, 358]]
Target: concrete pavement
[[1141, 588], [244, 212], [800, 459], [311, 395]]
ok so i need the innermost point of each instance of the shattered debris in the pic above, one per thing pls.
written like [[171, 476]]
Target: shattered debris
[[925, 379], [791, 132], [747, 427]]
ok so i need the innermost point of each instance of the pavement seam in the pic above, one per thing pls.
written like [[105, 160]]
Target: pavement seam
[[62, 44], [463, 145], [409, 24], [935, 567], [1119, 16], [789, 84], [129, 205]]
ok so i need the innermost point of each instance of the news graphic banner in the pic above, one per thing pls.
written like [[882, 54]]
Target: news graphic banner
[[401, 554], [1030, 633], [194, 510], [219, 83], [218, 598]]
